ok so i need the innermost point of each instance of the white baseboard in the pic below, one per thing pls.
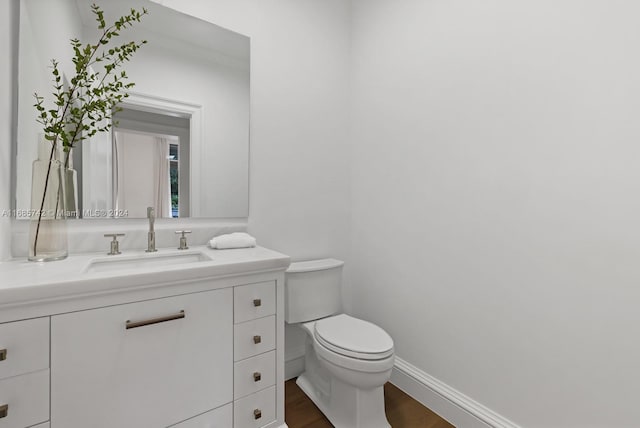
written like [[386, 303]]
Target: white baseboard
[[449, 403]]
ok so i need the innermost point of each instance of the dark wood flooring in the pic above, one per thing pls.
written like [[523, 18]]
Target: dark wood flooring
[[402, 410]]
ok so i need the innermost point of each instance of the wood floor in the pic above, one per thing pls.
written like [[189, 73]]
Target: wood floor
[[402, 410]]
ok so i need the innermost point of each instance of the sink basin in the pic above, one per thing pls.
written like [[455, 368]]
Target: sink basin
[[145, 261]]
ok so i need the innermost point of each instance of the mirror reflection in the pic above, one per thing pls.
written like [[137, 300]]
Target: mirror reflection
[[161, 182], [181, 141]]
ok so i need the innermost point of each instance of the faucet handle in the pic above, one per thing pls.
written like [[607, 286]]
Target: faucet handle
[[183, 239], [115, 245]]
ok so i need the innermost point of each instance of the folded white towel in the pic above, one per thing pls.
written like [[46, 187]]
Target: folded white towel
[[233, 240]]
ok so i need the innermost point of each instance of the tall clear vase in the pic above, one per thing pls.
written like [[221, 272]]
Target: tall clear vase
[[48, 224]]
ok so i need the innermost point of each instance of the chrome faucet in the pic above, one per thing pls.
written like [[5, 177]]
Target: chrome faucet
[[151, 236]]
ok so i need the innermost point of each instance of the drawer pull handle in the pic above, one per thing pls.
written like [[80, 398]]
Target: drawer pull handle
[[136, 324], [257, 376], [3, 354], [4, 411], [257, 339], [257, 302], [257, 414]]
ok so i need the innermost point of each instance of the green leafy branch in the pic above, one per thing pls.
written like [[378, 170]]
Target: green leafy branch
[[85, 107]]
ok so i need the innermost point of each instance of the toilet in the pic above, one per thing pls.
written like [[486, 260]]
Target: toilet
[[347, 360]]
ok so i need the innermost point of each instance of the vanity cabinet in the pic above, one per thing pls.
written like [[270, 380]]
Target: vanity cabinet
[[148, 364], [201, 353]]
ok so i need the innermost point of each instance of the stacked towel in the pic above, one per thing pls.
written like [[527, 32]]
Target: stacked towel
[[233, 240]]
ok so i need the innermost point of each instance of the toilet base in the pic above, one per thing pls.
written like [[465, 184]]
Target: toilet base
[[347, 406]]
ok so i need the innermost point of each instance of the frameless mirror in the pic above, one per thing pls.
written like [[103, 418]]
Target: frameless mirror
[[181, 141]]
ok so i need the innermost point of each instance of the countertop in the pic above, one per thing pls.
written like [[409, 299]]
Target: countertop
[[24, 281]]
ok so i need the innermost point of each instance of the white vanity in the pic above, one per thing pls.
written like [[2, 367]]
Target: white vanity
[[141, 341]]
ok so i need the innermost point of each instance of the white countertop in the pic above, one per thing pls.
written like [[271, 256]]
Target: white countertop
[[24, 281]]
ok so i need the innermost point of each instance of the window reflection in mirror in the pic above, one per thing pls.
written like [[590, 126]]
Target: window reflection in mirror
[[148, 152]]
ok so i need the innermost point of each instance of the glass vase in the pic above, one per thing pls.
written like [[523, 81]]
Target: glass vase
[[48, 224]]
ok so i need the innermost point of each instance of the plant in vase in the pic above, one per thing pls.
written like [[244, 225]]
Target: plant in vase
[[82, 107]]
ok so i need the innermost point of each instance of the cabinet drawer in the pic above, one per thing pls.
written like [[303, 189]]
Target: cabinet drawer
[[254, 337], [253, 374], [218, 418], [44, 425], [254, 301], [142, 365], [26, 398], [256, 410], [24, 347]]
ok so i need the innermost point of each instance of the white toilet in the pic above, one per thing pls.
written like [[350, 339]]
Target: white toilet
[[347, 360]]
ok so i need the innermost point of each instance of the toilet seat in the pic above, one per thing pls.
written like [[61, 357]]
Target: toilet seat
[[353, 338]]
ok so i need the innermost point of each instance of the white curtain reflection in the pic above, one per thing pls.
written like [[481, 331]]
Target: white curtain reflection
[[141, 176]]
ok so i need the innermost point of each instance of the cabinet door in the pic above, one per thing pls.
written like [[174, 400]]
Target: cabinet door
[[147, 364]]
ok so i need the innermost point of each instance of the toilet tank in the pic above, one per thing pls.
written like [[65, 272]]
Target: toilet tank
[[312, 290]]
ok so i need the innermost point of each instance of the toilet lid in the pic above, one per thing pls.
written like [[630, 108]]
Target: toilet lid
[[353, 337]]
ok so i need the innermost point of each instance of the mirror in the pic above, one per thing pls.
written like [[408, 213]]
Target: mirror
[[181, 142]]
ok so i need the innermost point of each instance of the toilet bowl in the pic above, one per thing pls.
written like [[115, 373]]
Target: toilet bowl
[[347, 360]]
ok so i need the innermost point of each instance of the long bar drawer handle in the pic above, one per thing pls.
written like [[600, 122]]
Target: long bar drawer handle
[[257, 302], [4, 411], [257, 414], [257, 376], [257, 339], [3, 354], [136, 324]]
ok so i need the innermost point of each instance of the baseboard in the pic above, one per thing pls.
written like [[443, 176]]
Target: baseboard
[[449, 403]]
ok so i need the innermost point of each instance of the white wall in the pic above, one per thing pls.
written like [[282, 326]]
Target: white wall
[[496, 199]]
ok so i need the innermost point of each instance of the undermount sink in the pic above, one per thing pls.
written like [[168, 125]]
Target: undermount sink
[[145, 261]]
